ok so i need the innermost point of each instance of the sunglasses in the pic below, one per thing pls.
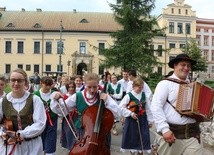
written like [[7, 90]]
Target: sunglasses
[[17, 80]]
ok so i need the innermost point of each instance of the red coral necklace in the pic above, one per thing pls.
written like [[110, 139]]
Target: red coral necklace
[[90, 100]]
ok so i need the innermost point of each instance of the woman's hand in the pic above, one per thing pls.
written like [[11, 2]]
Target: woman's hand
[[58, 95], [169, 137], [103, 97]]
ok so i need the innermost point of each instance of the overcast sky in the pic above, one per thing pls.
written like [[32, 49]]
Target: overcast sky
[[203, 8]]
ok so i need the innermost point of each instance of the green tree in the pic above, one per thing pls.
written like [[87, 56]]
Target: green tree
[[194, 52], [132, 48]]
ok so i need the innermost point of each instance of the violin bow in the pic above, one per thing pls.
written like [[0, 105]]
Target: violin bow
[[138, 124], [69, 124]]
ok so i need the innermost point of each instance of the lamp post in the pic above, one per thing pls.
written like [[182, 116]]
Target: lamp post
[[68, 63], [60, 48]]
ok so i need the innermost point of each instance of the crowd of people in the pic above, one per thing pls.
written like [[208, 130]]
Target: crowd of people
[[32, 114]]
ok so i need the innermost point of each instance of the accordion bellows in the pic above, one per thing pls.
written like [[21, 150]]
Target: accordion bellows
[[196, 100]]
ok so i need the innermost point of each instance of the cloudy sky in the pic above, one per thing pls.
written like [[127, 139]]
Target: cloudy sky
[[203, 8]]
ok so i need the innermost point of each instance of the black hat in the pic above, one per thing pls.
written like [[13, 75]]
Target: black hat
[[181, 57]]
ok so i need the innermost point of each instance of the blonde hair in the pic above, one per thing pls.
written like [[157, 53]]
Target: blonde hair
[[91, 76], [138, 81], [22, 72]]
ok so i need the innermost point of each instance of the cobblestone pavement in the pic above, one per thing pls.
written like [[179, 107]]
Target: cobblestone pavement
[[116, 142]]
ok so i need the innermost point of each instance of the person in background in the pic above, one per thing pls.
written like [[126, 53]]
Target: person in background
[[36, 81], [67, 138], [146, 89], [177, 134], [135, 106], [84, 99], [65, 80], [114, 89], [26, 113], [79, 83], [49, 136], [102, 81], [3, 83], [58, 82], [124, 82]]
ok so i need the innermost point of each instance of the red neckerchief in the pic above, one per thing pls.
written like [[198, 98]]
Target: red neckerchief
[[90, 100]]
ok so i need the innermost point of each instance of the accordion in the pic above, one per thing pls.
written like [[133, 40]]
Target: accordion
[[195, 100]]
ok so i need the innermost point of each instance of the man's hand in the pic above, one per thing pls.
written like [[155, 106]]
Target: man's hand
[[169, 137]]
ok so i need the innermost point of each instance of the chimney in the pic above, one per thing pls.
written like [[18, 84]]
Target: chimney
[[23, 10], [74, 11], [39, 10]]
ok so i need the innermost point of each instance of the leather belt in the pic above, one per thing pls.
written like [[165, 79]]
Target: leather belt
[[28, 139], [186, 131]]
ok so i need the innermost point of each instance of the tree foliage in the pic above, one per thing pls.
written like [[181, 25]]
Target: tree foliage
[[194, 52], [132, 47]]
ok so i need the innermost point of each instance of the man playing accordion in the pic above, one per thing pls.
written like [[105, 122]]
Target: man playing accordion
[[177, 134]]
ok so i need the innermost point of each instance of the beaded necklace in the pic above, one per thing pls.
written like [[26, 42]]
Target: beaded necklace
[[90, 100]]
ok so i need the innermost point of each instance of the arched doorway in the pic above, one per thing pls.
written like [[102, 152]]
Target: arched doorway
[[81, 68]]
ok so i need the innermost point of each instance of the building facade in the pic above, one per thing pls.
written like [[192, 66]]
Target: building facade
[[72, 42]]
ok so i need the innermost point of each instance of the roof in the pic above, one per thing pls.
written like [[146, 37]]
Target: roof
[[51, 20]]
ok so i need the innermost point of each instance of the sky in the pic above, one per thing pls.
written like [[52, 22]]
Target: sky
[[203, 8]]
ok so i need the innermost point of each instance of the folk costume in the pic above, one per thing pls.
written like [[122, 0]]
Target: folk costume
[[49, 136], [67, 138], [81, 101], [168, 121], [116, 92], [132, 140], [29, 119]]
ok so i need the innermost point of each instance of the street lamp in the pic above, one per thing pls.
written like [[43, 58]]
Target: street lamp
[[68, 63], [60, 48]]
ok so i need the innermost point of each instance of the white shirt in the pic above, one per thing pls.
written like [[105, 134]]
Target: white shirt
[[146, 89], [71, 103], [33, 146], [126, 112], [162, 111], [115, 95], [124, 84]]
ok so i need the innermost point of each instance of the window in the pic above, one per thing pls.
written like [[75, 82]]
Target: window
[[179, 11], [206, 55], [171, 45], [152, 49], [47, 67], [60, 47], [101, 48], [212, 69], [8, 47], [20, 47], [159, 50], [206, 40], [212, 41], [171, 27], [186, 11], [212, 58], [180, 28], [172, 10], [20, 66], [58, 69], [7, 68], [101, 70], [160, 70], [182, 45], [82, 47], [28, 67], [36, 47], [171, 57], [48, 47], [36, 68], [188, 28], [198, 39]]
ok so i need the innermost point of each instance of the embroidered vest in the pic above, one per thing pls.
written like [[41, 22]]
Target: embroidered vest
[[81, 105], [26, 114], [142, 101], [111, 90], [46, 103]]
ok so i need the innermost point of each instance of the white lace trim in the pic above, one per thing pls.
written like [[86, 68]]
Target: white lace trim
[[134, 151]]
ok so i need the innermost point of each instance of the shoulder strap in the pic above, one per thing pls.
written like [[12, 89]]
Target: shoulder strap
[[175, 80]]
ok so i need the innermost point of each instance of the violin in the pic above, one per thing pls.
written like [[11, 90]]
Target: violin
[[132, 106], [10, 137], [97, 123]]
